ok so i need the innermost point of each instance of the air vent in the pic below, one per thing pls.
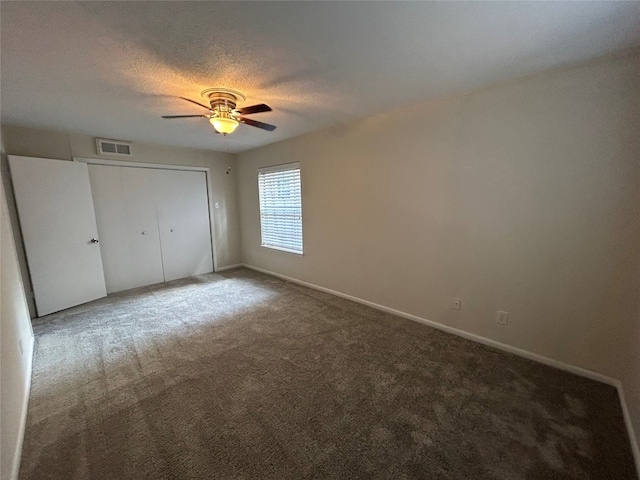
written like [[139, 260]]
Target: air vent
[[113, 147]]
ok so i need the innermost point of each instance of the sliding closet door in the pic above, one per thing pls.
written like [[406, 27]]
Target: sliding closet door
[[125, 204], [183, 219]]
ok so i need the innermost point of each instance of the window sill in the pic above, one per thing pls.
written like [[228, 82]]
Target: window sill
[[280, 249]]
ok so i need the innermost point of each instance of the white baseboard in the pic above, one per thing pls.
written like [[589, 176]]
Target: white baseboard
[[630, 430], [583, 372], [229, 267], [455, 331], [17, 456]]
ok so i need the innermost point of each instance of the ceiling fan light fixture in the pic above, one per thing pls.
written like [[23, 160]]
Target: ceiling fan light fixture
[[224, 125]]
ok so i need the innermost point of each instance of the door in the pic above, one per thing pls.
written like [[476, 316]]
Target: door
[[125, 205], [58, 226], [183, 220]]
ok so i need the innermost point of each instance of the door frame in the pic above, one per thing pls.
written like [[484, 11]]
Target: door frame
[[163, 166]]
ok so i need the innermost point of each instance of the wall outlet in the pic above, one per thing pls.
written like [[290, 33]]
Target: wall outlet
[[456, 303], [503, 317]]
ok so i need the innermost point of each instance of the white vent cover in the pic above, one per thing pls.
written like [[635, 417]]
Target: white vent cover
[[113, 147]]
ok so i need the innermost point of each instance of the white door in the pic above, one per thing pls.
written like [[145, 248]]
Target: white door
[[183, 219], [125, 205], [58, 226]]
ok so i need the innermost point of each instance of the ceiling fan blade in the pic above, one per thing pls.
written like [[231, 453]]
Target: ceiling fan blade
[[253, 123], [193, 101], [184, 116], [253, 109]]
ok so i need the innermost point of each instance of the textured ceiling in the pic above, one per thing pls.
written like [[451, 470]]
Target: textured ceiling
[[111, 69]]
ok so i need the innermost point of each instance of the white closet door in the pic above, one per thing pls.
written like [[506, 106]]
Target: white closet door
[[59, 231], [125, 204], [183, 218]]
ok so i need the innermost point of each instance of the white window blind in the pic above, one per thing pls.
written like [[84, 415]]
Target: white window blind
[[281, 207]]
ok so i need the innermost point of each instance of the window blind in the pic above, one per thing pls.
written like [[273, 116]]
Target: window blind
[[281, 207]]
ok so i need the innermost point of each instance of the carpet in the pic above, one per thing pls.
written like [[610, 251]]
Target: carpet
[[241, 375]]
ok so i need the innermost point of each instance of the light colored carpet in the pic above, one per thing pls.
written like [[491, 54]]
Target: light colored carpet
[[243, 376]]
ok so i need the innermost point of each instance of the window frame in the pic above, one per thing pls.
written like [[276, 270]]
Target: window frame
[[272, 169]]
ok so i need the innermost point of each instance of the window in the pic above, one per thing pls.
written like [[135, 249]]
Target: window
[[281, 207]]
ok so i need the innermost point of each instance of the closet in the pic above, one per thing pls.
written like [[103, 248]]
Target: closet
[[153, 224], [92, 229]]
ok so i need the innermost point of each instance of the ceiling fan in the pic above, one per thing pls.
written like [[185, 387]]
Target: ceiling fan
[[224, 114]]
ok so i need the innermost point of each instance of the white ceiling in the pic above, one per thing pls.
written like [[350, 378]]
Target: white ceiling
[[111, 69]]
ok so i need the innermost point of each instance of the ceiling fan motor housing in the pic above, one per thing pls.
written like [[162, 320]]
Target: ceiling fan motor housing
[[222, 101]]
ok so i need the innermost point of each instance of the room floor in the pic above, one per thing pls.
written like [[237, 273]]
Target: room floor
[[241, 375]]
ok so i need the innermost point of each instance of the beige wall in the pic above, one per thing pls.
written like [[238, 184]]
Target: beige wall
[[522, 197], [631, 383], [66, 146], [15, 365]]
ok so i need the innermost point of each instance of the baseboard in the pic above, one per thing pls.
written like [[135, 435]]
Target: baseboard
[[15, 468], [583, 372], [455, 331], [630, 430], [229, 267]]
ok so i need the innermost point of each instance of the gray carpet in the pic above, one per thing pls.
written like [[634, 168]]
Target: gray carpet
[[243, 376]]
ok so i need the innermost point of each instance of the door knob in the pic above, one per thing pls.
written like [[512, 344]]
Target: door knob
[[94, 240]]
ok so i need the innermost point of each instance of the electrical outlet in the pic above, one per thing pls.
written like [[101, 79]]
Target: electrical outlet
[[503, 317], [456, 303]]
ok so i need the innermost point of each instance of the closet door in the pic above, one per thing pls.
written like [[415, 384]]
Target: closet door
[[125, 204], [59, 231], [183, 219]]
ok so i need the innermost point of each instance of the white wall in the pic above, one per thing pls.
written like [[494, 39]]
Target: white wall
[[65, 146], [15, 365], [521, 197]]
